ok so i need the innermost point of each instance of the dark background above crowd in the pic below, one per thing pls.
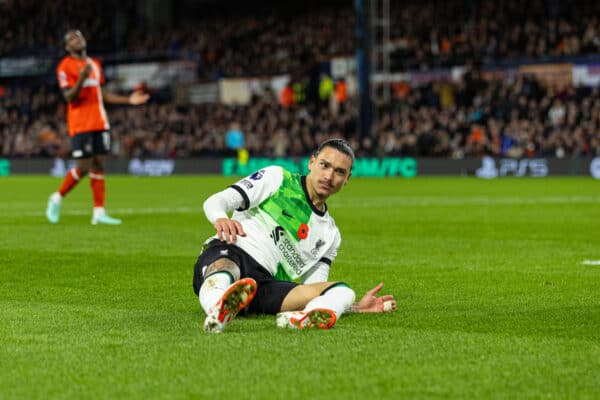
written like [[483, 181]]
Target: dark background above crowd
[[236, 38]]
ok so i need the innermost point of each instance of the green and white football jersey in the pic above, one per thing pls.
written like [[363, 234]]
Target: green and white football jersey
[[285, 233]]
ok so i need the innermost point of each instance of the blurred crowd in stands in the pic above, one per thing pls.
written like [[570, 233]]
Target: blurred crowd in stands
[[498, 118], [470, 117]]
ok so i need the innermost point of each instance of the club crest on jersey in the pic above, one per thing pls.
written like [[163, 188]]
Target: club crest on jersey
[[257, 175], [320, 243]]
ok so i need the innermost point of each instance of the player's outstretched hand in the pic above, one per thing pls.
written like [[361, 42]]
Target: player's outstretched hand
[[228, 229], [138, 97], [371, 303]]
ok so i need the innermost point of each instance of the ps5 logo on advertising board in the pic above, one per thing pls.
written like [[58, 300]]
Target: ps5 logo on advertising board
[[151, 167], [535, 167]]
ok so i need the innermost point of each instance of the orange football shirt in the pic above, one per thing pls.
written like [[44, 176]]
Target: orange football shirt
[[86, 113]]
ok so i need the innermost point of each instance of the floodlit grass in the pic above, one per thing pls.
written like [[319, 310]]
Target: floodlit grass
[[494, 298]]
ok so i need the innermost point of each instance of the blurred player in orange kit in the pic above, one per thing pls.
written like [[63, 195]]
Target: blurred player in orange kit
[[81, 78]]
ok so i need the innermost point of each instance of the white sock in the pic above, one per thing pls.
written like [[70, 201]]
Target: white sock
[[338, 298], [56, 198], [98, 212], [213, 288]]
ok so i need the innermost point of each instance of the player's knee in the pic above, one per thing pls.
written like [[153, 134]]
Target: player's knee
[[223, 265], [97, 165], [342, 291]]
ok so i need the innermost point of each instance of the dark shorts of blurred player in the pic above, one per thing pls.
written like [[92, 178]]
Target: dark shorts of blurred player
[[87, 144]]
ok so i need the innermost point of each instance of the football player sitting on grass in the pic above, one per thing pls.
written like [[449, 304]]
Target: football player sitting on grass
[[280, 232]]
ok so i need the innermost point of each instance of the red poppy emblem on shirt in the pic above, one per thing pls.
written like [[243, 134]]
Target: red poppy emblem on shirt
[[303, 231]]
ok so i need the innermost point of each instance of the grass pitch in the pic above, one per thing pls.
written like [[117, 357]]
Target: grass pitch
[[498, 296]]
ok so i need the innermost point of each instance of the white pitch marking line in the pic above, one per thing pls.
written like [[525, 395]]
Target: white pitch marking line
[[591, 262]]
